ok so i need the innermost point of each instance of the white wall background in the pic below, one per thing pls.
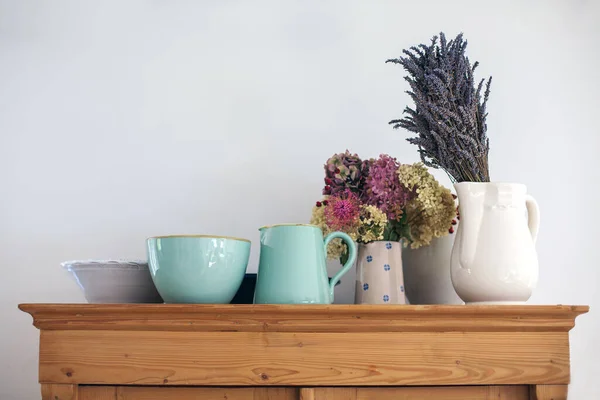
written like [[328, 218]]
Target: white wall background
[[126, 119]]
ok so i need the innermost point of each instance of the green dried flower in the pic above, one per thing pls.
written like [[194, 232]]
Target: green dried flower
[[372, 224], [429, 215]]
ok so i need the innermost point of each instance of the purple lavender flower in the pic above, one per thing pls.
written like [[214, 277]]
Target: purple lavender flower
[[449, 116]]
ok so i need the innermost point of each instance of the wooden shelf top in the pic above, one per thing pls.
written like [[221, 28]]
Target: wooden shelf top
[[303, 318]]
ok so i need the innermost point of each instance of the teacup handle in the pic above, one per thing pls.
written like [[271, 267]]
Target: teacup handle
[[351, 258]]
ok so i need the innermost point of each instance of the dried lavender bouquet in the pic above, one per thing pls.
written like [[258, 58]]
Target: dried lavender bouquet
[[449, 114]]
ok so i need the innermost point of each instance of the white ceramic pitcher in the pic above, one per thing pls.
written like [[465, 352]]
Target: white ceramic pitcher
[[493, 258]]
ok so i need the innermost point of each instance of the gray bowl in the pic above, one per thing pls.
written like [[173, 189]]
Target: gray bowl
[[114, 281]]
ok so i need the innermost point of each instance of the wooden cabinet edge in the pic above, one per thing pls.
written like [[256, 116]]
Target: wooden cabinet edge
[[303, 318]]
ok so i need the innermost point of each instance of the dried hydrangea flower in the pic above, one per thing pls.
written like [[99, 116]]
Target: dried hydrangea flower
[[345, 171], [372, 224], [382, 188], [431, 212]]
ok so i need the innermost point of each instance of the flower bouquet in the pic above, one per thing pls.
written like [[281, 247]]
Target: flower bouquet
[[383, 206], [381, 200]]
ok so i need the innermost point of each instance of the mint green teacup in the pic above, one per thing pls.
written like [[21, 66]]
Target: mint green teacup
[[197, 268]]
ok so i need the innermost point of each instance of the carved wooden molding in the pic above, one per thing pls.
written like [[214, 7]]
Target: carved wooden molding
[[303, 318]]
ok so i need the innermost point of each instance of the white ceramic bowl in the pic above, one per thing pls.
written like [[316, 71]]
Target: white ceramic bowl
[[114, 281]]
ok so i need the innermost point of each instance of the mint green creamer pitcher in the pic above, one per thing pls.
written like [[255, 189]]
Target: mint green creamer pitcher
[[292, 267]]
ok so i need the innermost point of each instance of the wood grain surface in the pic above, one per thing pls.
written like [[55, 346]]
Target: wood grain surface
[[426, 393], [198, 393], [328, 393], [340, 393], [303, 318], [303, 359], [98, 393], [59, 392], [184, 393], [307, 394], [549, 392]]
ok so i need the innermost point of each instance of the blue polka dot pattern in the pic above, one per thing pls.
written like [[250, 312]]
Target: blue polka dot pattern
[[386, 298], [388, 246], [369, 258], [366, 286], [402, 288], [386, 267]]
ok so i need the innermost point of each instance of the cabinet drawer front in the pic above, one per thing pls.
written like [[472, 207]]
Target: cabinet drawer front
[[184, 393], [270, 393], [425, 393], [303, 359]]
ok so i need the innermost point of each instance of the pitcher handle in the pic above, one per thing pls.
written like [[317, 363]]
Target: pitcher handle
[[351, 258], [533, 212]]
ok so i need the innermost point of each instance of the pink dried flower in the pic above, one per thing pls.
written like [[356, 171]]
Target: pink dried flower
[[343, 211], [383, 188]]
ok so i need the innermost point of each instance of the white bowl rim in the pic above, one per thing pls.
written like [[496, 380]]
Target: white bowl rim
[[114, 263]]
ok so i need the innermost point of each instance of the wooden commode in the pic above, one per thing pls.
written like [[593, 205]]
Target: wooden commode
[[333, 352]]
